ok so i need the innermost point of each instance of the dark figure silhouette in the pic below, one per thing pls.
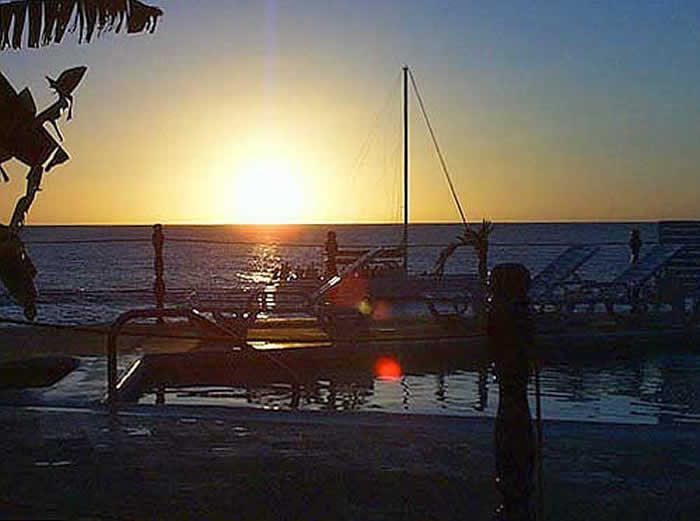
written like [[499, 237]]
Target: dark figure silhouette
[[331, 254], [635, 246], [511, 335]]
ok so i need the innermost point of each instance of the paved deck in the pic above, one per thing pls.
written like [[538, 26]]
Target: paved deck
[[220, 463], [62, 457]]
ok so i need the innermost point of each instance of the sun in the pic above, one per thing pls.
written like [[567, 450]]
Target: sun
[[268, 191]]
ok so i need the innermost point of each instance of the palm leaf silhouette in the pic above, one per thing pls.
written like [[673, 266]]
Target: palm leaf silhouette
[[35, 23]]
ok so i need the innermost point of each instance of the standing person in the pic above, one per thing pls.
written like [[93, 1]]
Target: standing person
[[635, 245], [331, 253]]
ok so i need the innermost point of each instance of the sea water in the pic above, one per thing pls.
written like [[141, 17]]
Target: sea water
[[240, 256], [73, 261]]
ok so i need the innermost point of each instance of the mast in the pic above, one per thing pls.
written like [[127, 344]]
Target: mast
[[405, 169]]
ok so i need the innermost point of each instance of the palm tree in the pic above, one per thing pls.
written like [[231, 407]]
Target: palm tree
[[35, 23]]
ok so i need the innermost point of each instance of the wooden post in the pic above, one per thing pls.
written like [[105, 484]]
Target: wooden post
[[511, 336], [159, 283]]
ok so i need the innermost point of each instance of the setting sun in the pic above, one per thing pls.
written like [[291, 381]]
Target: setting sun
[[268, 191]]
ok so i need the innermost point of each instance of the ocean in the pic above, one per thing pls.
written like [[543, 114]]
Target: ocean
[[205, 257], [86, 274]]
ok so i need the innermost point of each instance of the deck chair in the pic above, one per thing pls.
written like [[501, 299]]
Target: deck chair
[[639, 273], [559, 270], [678, 254], [684, 266]]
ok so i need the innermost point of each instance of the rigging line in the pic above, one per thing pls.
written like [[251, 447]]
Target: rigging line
[[376, 145], [321, 245], [397, 179], [364, 149], [396, 201], [437, 148], [392, 144]]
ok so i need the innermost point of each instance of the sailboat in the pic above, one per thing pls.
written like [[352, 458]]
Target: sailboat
[[462, 293]]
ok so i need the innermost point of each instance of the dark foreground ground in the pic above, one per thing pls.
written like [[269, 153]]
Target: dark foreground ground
[[214, 463]]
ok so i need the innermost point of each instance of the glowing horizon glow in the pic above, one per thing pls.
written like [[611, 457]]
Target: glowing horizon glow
[[268, 191]]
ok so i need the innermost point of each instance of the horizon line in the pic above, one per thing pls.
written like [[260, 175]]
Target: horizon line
[[364, 223]]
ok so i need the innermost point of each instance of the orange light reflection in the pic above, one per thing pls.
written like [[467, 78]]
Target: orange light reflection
[[387, 368]]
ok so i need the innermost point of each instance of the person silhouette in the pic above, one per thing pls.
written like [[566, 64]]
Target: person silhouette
[[635, 244], [331, 253]]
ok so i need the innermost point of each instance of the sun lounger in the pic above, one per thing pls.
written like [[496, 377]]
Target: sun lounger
[[650, 265], [559, 270], [677, 254], [676, 260], [685, 265]]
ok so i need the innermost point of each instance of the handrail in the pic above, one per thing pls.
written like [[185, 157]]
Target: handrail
[[321, 245], [128, 316], [162, 295]]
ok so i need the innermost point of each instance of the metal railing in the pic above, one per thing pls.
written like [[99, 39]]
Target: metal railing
[[159, 314], [163, 296]]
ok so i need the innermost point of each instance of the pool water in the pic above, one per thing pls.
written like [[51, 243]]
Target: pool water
[[646, 388]]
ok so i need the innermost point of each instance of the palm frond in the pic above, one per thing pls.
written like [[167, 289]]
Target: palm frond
[[35, 23]]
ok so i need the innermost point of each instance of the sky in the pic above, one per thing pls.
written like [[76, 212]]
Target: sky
[[290, 111]]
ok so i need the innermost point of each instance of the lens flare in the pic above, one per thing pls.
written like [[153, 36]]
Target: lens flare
[[387, 368], [365, 307], [381, 310]]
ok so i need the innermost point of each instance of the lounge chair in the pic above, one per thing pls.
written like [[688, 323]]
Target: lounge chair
[[558, 271]]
